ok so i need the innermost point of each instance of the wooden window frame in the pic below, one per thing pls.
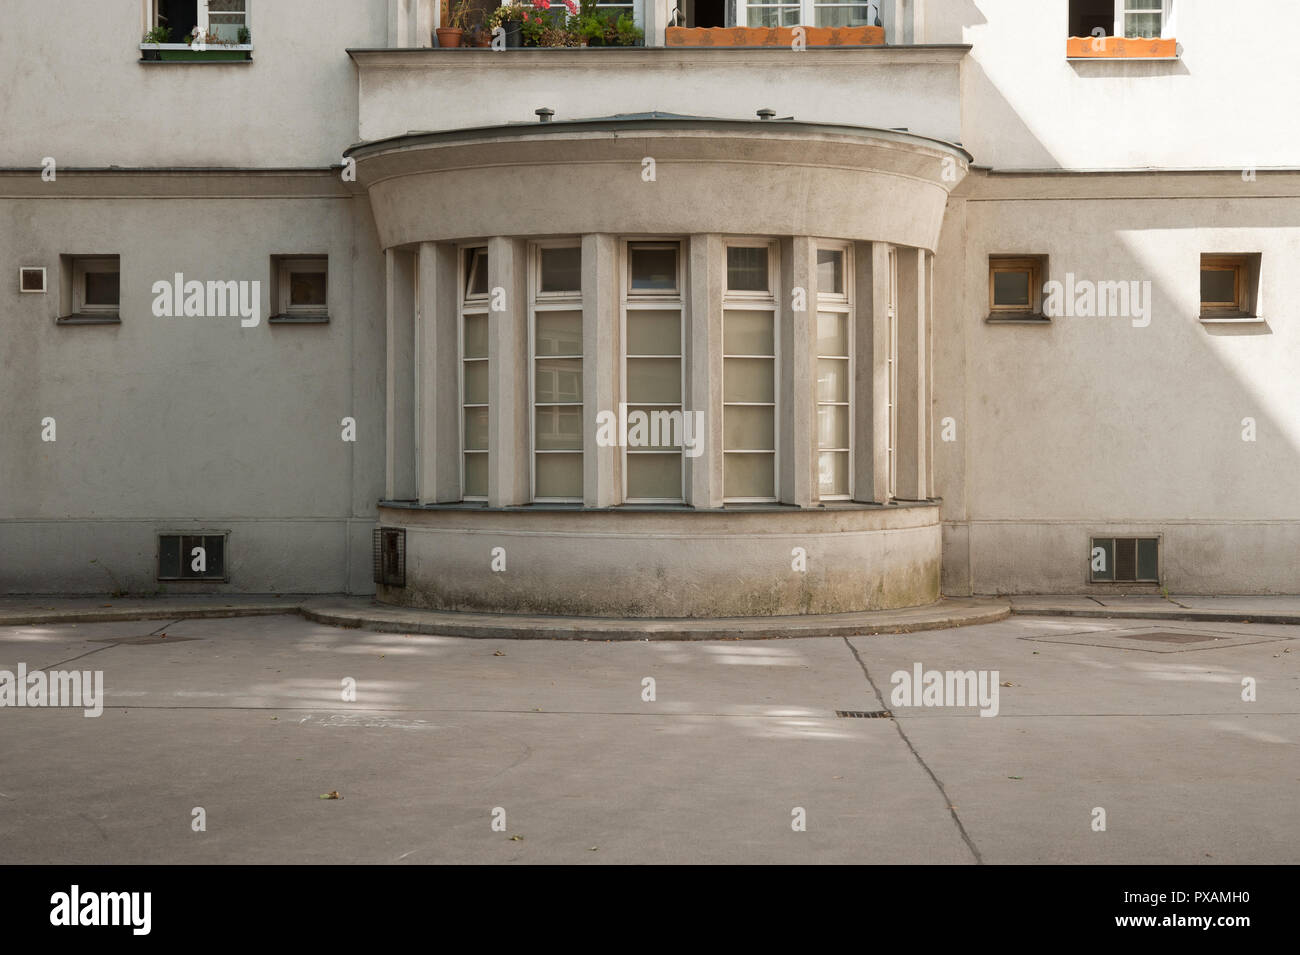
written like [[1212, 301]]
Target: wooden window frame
[[1239, 265], [286, 266], [98, 265], [1017, 263]]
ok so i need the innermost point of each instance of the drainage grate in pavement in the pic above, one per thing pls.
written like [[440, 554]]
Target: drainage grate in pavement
[[864, 714], [142, 641], [1164, 636]]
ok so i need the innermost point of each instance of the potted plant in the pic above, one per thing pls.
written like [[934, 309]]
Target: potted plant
[[627, 33], [510, 18], [450, 35], [155, 36]]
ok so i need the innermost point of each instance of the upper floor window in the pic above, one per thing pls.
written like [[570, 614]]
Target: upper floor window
[[1126, 18], [817, 13], [224, 22]]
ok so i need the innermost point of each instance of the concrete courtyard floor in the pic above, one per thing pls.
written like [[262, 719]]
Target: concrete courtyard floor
[[244, 718]]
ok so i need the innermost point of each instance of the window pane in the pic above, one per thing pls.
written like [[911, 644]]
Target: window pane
[[654, 333], [832, 333], [476, 336], [559, 428], [476, 382], [662, 427], [1218, 286], [476, 429], [832, 473], [748, 475], [746, 269], [654, 380], [476, 268], [1107, 569], [832, 379], [1142, 25], [747, 333], [653, 270], [747, 379], [1011, 288], [773, 16], [558, 333], [1148, 563], [654, 475], [102, 288], [307, 288], [558, 475], [748, 428], [557, 379], [476, 475], [562, 270], [832, 426], [843, 16], [830, 262]]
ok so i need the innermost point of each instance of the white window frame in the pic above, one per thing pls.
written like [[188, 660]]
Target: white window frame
[[201, 15], [286, 268], [467, 305], [841, 303], [94, 265], [539, 301], [891, 450], [807, 9], [654, 301], [743, 300], [1166, 12]]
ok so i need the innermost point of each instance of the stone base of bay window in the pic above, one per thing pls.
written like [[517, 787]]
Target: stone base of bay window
[[667, 562]]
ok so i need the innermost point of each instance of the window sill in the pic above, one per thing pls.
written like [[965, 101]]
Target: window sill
[[1017, 318], [183, 53], [1122, 48], [773, 36], [317, 319], [86, 318], [1212, 319]]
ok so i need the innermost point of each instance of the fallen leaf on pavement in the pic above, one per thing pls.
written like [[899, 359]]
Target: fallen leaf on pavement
[[332, 794]]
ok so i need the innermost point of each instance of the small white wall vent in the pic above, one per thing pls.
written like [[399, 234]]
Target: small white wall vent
[[31, 279]]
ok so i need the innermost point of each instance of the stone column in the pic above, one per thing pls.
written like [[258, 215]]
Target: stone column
[[798, 402], [912, 442], [438, 392], [602, 467], [702, 300], [399, 457], [509, 469], [871, 372]]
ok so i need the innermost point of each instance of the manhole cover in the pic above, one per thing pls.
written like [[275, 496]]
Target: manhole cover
[[1164, 636], [141, 641]]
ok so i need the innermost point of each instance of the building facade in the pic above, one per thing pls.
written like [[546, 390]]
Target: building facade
[[904, 298]]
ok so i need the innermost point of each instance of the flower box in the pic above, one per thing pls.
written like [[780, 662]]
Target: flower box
[[774, 36], [1118, 47], [183, 51]]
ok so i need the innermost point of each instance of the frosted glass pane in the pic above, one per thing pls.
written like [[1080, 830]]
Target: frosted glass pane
[[476, 382], [832, 426], [1011, 288], [654, 475], [659, 428], [476, 475], [557, 379], [746, 428], [843, 16], [747, 333], [832, 473], [654, 380], [476, 336], [476, 429], [832, 333], [746, 269], [1218, 285], [559, 428], [748, 475], [654, 332], [653, 270], [830, 262], [832, 379], [558, 475], [747, 379], [1142, 25], [558, 333], [562, 270]]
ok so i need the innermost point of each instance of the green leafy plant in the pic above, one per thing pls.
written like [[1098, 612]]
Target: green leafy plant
[[245, 37], [509, 13], [627, 32], [460, 15], [159, 34]]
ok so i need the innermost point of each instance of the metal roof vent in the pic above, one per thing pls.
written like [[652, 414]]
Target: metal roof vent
[[544, 114], [766, 114]]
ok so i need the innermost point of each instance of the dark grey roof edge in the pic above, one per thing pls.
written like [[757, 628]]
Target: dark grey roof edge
[[622, 122]]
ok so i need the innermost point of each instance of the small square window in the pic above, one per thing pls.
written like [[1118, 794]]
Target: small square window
[[476, 272], [96, 285], [1015, 286], [652, 267], [561, 269], [1223, 284], [301, 287], [830, 272], [747, 268]]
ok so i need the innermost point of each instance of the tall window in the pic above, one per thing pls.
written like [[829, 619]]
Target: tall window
[[834, 375], [474, 374], [817, 13], [555, 317], [224, 19], [1128, 18], [749, 375], [652, 372]]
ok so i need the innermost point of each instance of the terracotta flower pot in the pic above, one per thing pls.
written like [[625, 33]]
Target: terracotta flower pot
[[448, 36]]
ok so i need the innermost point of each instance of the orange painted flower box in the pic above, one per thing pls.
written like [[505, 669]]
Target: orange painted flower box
[[773, 36], [1121, 46]]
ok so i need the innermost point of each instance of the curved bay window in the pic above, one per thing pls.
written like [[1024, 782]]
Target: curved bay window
[[749, 375], [555, 334], [474, 374]]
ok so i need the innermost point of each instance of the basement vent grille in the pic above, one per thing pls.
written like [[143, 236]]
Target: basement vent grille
[[31, 279], [390, 556], [864, 714], [191, 556]]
